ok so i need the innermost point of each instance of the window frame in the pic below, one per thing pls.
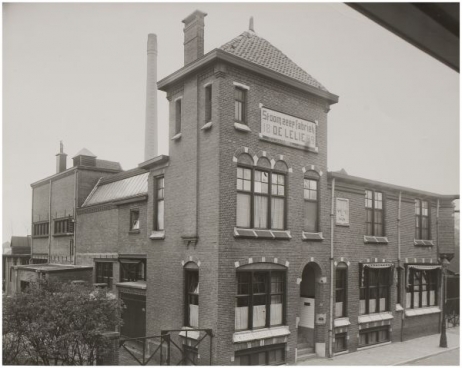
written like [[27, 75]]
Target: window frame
[[102, 274], [268, 294], [208, 103], [157, 199], [41, 229], [373, 210], [132, 228], [311, 177], [366, 287], [264, 349], [268, 195], [63, 223], [372, 330], [419, 217], [240, 103], [178, 115], [433, 275], [343, 268], [140, 262], [188, 294]]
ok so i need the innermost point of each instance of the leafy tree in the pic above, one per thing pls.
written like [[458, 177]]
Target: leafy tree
[[53, 323]]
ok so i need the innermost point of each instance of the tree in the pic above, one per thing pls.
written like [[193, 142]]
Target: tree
[[53, 323]]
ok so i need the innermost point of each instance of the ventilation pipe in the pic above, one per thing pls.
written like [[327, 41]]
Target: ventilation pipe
[[150, 134]]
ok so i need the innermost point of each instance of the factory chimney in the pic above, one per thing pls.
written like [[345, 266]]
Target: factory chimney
[[193, 36], [150, 134], [61, 159]]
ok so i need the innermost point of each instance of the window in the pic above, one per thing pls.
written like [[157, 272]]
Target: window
[[134, 220], [422, 224], [421, 288], [373, 336], [64, 226], [208, 103], [159, 203], [191, 355], [178, 116], [104, 273], [374, 213], [271, 355], [41, 229], [261, 199], [341, 290], [192, 296], [340, 342], [311, 197], [260, 299], [132, 270], [374, 289], [240, 105]]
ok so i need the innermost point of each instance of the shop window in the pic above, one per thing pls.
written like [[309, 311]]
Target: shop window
[[132, 270], [421, 287], [103, 273], [372, 336], [63, 226], [270, 355], [341, 290], [208, 103], [159, 184], [41, 229], [422, 222], [134, 220], [374, 289], [260, 299], [240, 105], [261, 199], [311, 202], [340, 342], [191, 295], [178, 117], [374, 213]]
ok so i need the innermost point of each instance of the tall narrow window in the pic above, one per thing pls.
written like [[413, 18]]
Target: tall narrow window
[[239, 104], [310, 195], [277, 201], [192, 296], [159, 204], [134, 220], [104, 273], [422, 224], [374, 213], [208, 103], [340, 290], [244, 196], [178, 116], [261, 186]]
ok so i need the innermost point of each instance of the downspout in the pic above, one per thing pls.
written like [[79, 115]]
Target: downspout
[[403, 303], [437, 259], [49, 223], [76, 196], [32, 230], [331, 304]]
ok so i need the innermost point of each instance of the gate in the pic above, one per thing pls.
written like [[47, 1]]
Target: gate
[[172, 347]]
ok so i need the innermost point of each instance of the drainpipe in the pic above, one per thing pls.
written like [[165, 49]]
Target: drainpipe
[[331, 304], [32, 230], [49, 223], [76, 196], [438, 259], [403, 304]]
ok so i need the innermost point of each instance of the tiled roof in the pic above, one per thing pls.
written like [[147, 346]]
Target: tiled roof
[[257, 50], [117, 190]]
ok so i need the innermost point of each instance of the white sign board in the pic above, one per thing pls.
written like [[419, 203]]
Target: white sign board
[[342, 211], [287, 128]]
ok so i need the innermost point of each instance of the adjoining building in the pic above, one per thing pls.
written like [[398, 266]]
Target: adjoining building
[[19, 254]]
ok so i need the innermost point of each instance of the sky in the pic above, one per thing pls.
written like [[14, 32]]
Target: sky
[[77, 73]]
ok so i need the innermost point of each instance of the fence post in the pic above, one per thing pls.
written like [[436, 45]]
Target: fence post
[[109, 356]]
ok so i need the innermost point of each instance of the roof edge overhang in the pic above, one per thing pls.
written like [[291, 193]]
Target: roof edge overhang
[[153, 162], [220, 55], [378, 184]]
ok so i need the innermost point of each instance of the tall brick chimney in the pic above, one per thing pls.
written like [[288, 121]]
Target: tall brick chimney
[[193, 36], [61, 159], [150, 133]]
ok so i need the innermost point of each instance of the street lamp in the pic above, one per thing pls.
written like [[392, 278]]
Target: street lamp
[[444, 264]]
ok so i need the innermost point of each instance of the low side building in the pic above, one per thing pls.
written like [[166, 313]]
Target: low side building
[[19, 254]]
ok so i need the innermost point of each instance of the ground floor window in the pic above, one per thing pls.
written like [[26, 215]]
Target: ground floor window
[[421, 287], [271, 355], [132, 270], [340, 342], [373, 336], [104, 273], [374, 288]]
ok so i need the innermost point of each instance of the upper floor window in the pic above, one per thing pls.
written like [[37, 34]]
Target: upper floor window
[[421, 287], [422, 224], [132, 270], [63, 226], [374, 289], [41, 229], [191, 295], [103, 273], [134, 220], [341, 290], [208, 103], [374, 213], [178, 116], [260, 299], [311, 199], [159, 184], [240, 104]]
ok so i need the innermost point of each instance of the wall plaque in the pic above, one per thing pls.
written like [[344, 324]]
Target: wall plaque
[[342, 210]]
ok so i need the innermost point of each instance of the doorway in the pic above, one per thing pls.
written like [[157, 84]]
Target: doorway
[[308, 291]]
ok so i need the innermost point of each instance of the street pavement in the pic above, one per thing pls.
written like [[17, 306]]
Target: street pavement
[[397, 353], [448, 358]]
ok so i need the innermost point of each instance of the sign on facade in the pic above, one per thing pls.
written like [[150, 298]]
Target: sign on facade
[[287, 129], [342, 211]]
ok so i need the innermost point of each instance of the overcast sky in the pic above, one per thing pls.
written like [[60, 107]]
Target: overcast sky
[[77, 73]]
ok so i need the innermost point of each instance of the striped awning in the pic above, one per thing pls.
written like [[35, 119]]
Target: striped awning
[[425, 267], [378, 265]]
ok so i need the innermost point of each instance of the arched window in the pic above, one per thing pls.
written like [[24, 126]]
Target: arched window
[[341, 274], [311, 202], [191, 295]]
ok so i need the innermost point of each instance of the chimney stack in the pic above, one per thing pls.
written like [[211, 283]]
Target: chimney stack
[[150, 134], [193, 36], [61, 159]]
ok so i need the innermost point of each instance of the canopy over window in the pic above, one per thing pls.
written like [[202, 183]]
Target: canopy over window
[[378, 265], [424, 267]]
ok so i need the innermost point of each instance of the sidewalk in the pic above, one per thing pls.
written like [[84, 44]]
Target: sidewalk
[[396, 353]]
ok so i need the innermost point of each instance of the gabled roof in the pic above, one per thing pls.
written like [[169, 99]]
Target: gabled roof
[[257, 50]]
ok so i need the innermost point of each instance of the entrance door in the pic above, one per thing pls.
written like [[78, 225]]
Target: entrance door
[[306, 326], [134, 315]]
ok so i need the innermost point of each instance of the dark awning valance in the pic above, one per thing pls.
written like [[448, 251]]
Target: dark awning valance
[[425, 267]]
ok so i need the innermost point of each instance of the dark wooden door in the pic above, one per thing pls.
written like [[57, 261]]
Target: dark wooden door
[[133, 315]]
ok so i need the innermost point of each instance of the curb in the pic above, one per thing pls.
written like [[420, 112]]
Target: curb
[[425, 356]]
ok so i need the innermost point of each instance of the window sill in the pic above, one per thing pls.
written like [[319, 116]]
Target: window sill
[[421, 311], [63, 234], [264, 333], [195, 335], [134, 232], [423, 243], [132, 284], [342, 322], [176, 137], [40, 236], [399, 308], [374, 317], [312, 236], [241, 127], [157, 235], [207, 126], [262, 234], [375, 239]]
